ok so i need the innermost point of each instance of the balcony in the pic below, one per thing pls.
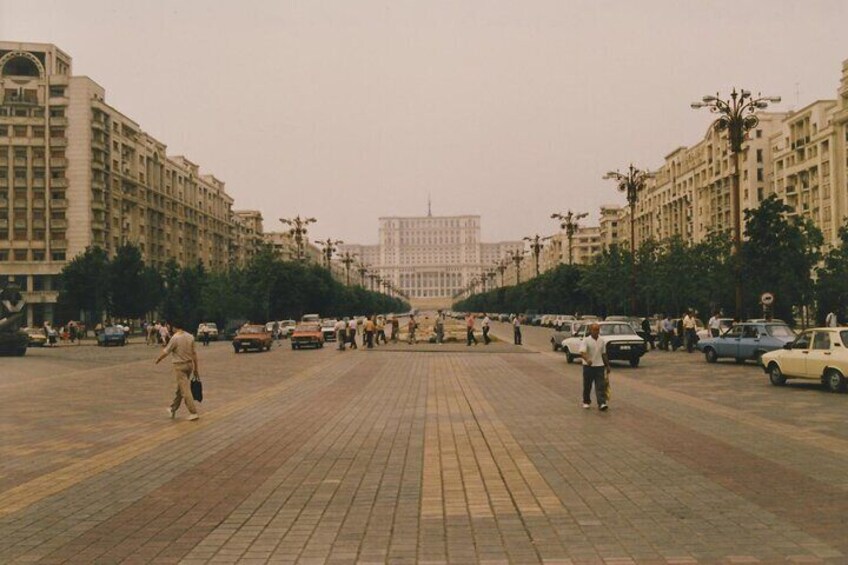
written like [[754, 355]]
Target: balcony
[[20, 161], [20, 183], [38, 161], [58, 224], [98, 204], [59, 100], [58, 142], [38, 203], [58, 203], [99, 125], [39, 224], [58, 162], [59, 121], [4, 161], [4, 182], [18, 100], [59, 243], [20, 203], [4, 223], [59, 182], [38, 182], [4, 203], [98, 225]]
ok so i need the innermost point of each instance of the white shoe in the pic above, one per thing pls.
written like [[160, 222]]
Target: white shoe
[[193, 416], [586, 406], [603, 406], [171, 412]]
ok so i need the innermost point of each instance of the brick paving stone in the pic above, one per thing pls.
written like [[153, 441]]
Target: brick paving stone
[[418, 454]]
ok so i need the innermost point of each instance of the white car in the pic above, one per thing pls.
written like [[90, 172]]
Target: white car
[[211, 329], [623, 343], [817, 354], [286, 328]]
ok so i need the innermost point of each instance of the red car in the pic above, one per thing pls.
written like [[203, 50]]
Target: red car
[[307, 335]]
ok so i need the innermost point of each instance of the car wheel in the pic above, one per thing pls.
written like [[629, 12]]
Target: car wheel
[[710, 355], [553, 345], [834, 381], [236, 348], [568, 356], [320, 346], [776, 375], [634, 362], [294, 346]]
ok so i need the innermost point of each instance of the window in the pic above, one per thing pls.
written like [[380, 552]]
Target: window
[[58, 256], [821, 341], [20, 254], [803, 341]]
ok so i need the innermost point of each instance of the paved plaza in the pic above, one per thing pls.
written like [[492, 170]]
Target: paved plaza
[[426, 454]]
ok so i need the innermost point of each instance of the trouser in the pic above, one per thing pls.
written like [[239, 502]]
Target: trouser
[[516, 334], [594, 376], [381, 334], [340, 337], [351, 339], [714, 332], [440, 334], [412, 338], [205, 339], [182, 373], [395, 332], [691, 337], [369, 339], [470, 336], [665, 337], [486, 338]]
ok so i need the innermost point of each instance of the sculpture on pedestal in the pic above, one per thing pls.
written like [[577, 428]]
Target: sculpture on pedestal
[[12, 340]]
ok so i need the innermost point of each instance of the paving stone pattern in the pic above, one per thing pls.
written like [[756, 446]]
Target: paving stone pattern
[[415, 454]]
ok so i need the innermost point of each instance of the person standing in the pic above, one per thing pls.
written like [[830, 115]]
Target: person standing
[[667, 332], [411, 326], [469, 330], [649, 336], [596, 367], [689, 335], [204, 336], [831, 320], [516, 330], [381, 330], [714, 325], [368, 329], [439, 328], [341, 333], [351, 333], [485, 324], [184, 360], [395, 329]]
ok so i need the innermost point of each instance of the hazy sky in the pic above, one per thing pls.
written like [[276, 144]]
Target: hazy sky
[[348, 110]]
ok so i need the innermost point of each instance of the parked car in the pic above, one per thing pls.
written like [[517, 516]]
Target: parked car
[[561, 320], [746, 341], [310, 319], [112, 335], [819, 354], [567, 329], [623, 343], [286, 328], [211, 329], [252, 337], [328, 329], [232, 328], [307, 335], [35, 337]]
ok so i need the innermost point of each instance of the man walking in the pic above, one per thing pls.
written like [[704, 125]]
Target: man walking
[[410, 328], [368, 329], [469, 330], [184, 360], [485, 324], [596, 367], [341, 333], [381, 330], [439, 328], [351, 333], [689, 335]]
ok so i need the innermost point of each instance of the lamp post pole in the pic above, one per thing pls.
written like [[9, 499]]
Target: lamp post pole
[[501, 267], [363, 269], [737, 115], [536, 246], [347, 260], [517, 257], [298, 230], [570, 223], [329, 246], [631, 183]]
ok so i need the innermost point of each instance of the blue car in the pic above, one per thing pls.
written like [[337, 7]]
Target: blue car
[[746, 341], [111, 335]]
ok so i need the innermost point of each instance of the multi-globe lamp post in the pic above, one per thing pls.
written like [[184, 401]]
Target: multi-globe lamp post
[[298, 231], [737, 116], [536, 246], [517, 257], [347, 259], [570, 223], [330, 246], [631, 182]]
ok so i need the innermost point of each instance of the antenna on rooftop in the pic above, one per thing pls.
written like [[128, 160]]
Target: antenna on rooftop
[[429, 207]]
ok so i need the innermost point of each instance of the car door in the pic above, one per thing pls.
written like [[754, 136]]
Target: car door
[[727, 344], [819, 356], [749, 342], [794, 362]]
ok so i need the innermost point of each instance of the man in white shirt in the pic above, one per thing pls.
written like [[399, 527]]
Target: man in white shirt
[[689, 333], [516, 330], [596, 367], [831, 320], [485, 324], [715, 325], [341, 333]]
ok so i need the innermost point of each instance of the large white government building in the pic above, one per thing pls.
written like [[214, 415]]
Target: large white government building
[[430, 258]]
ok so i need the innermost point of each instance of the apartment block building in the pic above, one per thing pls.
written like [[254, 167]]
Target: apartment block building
[[76, 172]]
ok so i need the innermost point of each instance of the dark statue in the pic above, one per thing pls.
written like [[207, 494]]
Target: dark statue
[[12, 340]]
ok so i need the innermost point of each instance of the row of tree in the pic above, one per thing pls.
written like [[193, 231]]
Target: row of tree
[[781, 254], [264, 289]]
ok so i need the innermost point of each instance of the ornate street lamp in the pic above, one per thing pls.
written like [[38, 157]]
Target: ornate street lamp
[[570, 223], [631, 183], [298, 231], [501, 267], [736, 115], [347, 260], [363, 270], [517, 257], [536, 246], [329, 246]]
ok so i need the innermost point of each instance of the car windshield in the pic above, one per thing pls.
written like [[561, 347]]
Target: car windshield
[[780, 331], [843, 336], [252, 330], [617, 329], [307, 328], [113, 330], [211, 326], [328, 323]]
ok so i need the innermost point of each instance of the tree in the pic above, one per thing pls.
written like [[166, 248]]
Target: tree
[[831, 287], [84, 284], [132, 287], [779, 254]]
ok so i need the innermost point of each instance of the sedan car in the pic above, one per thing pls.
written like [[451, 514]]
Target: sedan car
[[252, 337], [112, 335], [307, 335], [818, 354], [328, 329], [746, 341], [35, 337], [210, 328], [623, 343]]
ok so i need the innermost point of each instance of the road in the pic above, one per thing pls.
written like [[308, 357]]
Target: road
[[441, 454]]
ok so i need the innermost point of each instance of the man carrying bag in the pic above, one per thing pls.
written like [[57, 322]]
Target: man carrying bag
[[184, 361]]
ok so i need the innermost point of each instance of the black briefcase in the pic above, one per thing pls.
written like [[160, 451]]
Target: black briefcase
[[196, 389]]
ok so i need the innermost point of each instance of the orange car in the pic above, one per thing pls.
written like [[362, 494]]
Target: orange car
[[252, 337], [307, 335]]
